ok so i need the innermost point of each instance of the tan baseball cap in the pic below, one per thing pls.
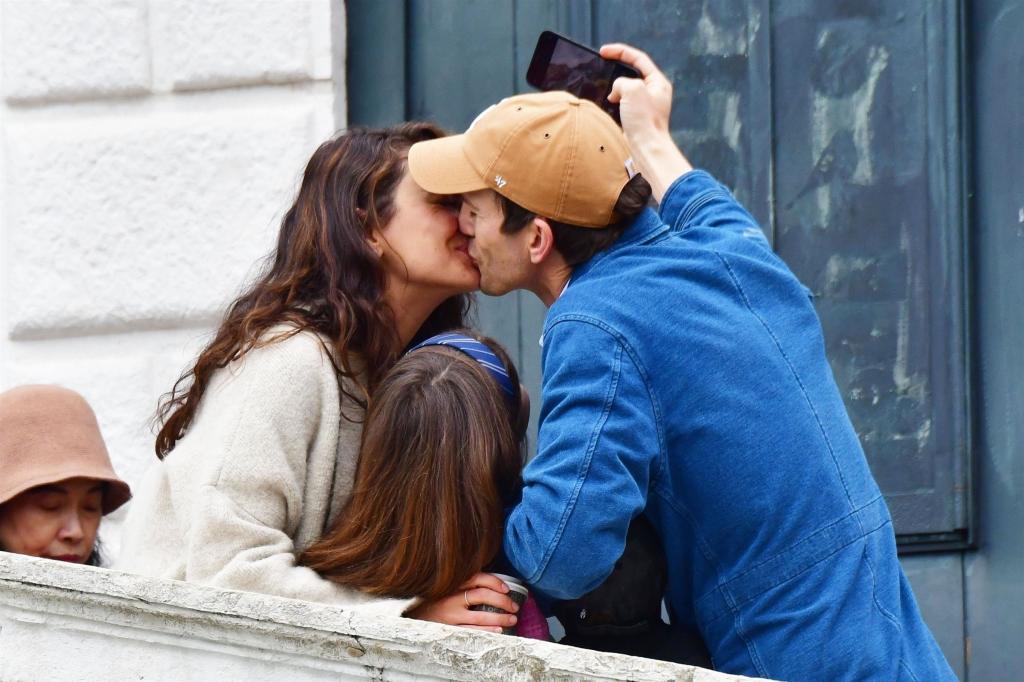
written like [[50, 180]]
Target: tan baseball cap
[[552, 153], [49, 434]]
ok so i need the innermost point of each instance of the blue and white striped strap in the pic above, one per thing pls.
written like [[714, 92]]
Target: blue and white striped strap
[[476, 350]]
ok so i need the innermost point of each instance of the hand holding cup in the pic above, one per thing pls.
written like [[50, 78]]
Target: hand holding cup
[[517, 592], [457, 608]]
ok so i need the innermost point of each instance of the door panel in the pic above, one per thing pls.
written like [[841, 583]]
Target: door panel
[[868, 206], [837, 123]]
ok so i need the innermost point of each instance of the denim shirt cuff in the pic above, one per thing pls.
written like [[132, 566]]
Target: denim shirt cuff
[[682, 191]]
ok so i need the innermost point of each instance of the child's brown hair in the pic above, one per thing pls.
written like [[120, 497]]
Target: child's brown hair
[[441, 458]]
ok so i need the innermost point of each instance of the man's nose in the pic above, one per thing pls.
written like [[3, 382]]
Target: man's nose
[[465, 226]]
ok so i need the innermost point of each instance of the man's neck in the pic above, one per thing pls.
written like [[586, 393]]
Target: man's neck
[[551, 283]]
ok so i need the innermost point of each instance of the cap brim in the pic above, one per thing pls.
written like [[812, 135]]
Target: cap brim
[[440, 166]]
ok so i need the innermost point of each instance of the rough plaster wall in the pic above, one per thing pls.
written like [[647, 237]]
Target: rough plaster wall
[[147, 152], [61, 621]]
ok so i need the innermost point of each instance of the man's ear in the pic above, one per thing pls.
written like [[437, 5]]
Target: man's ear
[[542, 240]]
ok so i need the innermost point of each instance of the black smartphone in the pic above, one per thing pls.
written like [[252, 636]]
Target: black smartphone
[[560, 63]]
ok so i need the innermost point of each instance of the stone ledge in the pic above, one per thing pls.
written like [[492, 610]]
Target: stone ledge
[[130, 627]]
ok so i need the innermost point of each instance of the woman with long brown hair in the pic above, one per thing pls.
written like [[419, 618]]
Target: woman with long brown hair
[[440, 461], [258, 440]]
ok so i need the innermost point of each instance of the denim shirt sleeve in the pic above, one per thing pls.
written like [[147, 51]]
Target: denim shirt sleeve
[[596, 451], [697, 199]]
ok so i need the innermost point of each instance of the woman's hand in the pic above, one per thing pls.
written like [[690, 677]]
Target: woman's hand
[[482, 588]]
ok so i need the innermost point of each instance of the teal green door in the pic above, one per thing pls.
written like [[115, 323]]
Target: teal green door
[[836, 123], [853, 131]]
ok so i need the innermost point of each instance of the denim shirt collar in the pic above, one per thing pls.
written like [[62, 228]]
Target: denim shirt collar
[[644, 227]]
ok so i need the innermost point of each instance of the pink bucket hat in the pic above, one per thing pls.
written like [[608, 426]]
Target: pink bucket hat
[[50, 434]]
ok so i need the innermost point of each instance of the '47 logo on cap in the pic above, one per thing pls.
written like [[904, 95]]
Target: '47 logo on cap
[[500, 181]]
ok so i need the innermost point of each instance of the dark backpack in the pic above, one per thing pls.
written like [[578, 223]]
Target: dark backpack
[[624, 614]]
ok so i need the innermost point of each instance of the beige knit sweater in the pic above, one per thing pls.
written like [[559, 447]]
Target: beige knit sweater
[[265, 465]]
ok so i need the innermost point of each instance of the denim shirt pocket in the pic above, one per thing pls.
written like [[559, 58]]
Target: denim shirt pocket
[[732, 593]]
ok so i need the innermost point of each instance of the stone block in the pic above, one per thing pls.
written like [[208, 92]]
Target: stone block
[[199, 44], [122, 225], [73, 49]]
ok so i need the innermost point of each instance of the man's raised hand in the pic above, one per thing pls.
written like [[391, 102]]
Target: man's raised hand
[[645, 105]]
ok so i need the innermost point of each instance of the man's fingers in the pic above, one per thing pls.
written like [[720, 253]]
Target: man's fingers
[[627, 54], [623, 86]]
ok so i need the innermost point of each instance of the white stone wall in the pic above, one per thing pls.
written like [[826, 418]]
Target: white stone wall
[[61, 621], [149, 149]]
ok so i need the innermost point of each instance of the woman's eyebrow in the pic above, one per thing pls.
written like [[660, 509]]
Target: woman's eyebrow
[[49, 488]]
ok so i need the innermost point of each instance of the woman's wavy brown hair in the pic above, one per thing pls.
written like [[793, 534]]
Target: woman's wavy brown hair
[[323, 275], [440, 460]]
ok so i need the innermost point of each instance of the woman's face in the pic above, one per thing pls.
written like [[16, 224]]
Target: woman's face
[[55, 521], [422, 246]]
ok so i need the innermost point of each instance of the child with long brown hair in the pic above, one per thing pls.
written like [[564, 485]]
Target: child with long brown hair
[[440, 461]]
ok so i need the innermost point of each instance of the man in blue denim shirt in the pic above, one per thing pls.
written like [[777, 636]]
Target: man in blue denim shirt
[[684, 378]]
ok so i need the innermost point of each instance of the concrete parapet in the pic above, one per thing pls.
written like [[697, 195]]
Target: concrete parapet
[[76, 622]]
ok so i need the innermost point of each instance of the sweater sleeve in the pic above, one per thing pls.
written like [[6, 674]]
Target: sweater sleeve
[[248, 507]]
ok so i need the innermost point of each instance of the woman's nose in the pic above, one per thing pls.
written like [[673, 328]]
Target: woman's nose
[[71, 530]]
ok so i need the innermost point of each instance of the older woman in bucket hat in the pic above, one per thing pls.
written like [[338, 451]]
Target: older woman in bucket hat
[[56, 480]]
